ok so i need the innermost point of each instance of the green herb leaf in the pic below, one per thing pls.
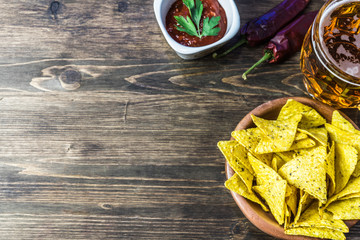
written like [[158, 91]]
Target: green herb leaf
[[196, 15], [186, 25], [192, 25], [190, 5], [209, 28]]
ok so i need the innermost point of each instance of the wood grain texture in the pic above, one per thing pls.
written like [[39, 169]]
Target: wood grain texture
[[106, 134]]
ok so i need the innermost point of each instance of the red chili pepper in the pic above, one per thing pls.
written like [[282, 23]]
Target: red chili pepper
[[287, 41], [264, 27]]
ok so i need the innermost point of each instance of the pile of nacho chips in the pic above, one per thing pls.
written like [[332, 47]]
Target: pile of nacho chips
[[300, 168]]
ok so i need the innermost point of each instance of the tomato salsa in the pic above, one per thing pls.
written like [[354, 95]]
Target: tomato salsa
[[212, 8]]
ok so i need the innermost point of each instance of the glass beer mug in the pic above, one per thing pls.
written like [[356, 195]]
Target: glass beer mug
[[330, 56]]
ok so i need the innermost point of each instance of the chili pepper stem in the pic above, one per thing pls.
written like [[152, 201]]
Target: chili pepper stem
[[238, 44], [267, 56]]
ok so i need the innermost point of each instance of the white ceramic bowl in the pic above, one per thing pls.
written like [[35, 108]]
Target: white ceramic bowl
[[161, 8]]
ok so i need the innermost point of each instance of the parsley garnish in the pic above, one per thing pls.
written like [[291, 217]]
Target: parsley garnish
[[192, 25]]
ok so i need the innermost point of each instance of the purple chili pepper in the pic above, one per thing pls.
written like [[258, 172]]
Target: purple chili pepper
[[287, 41], [263, 28]]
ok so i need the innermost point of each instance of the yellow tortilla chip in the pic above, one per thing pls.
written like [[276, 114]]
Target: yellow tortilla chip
[[290, 190], [264, 173], [232, 149], [287, 217], [249, 138], [291, 198], [300, 135], [353, 187], [311, 118], [274, 163], [356, 172], [311, 218], [307, 172], [265, 158], [286, 156], [304, 143], [277, 162], [274, 196], [345, 209], [319, 134], [354, 195], [341, 136], [345, 162], [316, 232], [246, 176], [304, 202], [236, 161], [340, 122], [330, 169], [235, 184], [280, 134], [271, 187]]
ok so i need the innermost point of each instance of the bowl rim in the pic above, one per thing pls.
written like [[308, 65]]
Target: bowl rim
[[185, 50], [253, 212]]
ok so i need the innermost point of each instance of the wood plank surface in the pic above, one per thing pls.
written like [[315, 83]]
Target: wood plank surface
[[105, 133]]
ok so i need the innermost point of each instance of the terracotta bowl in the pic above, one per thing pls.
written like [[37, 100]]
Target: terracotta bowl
[[252, 211]]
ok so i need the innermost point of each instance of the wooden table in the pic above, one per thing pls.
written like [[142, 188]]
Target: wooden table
[[107, 134]]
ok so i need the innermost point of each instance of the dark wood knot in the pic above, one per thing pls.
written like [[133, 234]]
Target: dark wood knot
[[107, 206], [236, 228], [122, 6], [70, 79], [70, 76], [54, 7]]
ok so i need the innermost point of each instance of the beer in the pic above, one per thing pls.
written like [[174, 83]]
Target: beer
[[330, 56]]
